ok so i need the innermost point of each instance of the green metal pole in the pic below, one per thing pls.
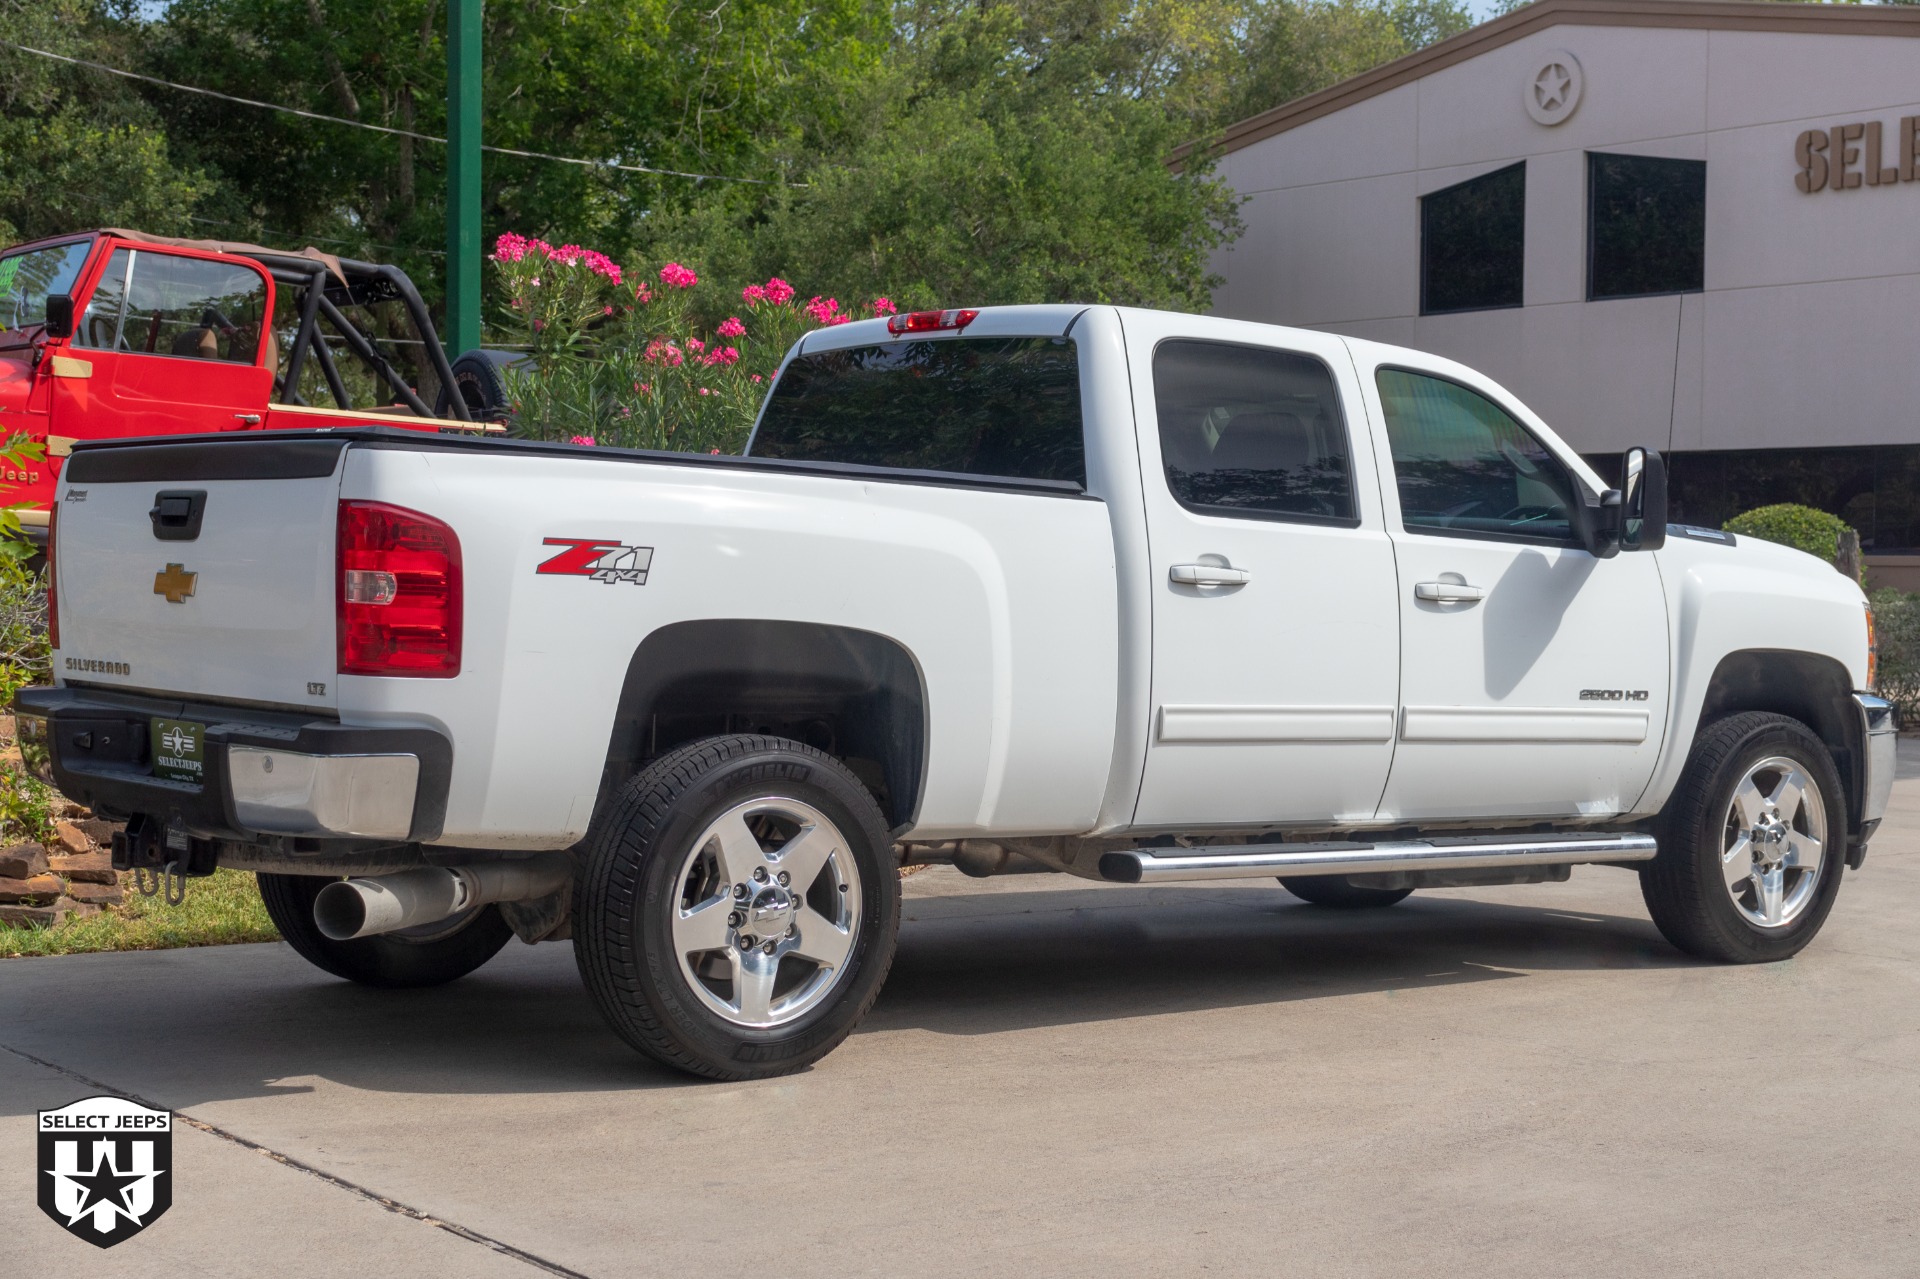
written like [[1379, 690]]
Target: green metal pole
[[463, 176]]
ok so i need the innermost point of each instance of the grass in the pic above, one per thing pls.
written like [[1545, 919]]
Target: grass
[[220, 910]]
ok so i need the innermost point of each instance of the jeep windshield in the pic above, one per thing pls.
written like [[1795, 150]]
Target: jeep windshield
[[28, 277]]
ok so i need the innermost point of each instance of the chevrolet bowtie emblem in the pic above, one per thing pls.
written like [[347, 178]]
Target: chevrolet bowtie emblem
[[175, 583]]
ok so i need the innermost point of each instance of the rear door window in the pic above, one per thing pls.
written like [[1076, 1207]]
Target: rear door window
[[978, 406], [1253, 432]]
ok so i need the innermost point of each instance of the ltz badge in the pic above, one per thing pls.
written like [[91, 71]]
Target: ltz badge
[[106, 1168]]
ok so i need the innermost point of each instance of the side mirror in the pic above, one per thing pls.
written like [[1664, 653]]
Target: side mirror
[[1643, 500], [59, 315]]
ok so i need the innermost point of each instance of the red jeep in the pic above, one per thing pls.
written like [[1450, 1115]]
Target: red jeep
[[115, 333]]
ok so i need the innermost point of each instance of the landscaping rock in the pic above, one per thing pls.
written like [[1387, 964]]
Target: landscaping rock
[[71, 838], [77, 909], [32, 916], [23, 861], [87, 868], [98, 829], [41, 890], [95, 894]]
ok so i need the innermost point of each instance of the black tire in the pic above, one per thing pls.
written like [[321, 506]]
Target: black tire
[[1684, 886], [627, 895], [1335, 891], [479, 377], [393, 960]]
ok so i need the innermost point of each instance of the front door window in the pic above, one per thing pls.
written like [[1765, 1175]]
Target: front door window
[[1466, 468], [188, 308]]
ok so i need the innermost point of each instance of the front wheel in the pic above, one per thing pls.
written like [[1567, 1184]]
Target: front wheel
[[1751, 843], [739, 907], [429, 955]]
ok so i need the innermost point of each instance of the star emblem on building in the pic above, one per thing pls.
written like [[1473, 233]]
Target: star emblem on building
[[1551, 85]]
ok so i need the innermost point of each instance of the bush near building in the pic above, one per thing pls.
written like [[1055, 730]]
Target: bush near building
[[1801, 527]]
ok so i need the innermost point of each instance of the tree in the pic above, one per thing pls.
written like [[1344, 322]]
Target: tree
[[79, 148], [1007, 155]]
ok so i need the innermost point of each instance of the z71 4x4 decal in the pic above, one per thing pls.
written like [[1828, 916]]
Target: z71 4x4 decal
[[599, 558]]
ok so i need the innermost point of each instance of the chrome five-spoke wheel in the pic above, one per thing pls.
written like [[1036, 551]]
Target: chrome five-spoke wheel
[[1752, 841], [766, 913], [738, 906], [1775, 842]]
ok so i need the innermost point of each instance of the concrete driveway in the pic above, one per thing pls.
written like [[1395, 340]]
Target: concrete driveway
[[1060, 1079]]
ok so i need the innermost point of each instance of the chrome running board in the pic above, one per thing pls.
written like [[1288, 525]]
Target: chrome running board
[[1248, 861]]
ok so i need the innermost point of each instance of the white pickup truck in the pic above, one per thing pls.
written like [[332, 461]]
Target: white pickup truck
[[1132, 596]]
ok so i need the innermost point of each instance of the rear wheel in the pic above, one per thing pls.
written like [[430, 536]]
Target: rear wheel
[[1751, 843], [1336, 891], [430, 955], [738, 909]]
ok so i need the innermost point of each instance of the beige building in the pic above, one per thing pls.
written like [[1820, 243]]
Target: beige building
[[1682, 223]]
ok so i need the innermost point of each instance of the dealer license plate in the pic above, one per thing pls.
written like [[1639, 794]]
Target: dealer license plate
[[179, 750]]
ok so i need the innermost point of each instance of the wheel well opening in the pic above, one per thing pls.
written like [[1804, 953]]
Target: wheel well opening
[[853, 694], [1813, 689]]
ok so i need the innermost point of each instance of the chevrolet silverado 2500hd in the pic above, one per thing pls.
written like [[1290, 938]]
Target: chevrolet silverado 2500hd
[[1132, 596]]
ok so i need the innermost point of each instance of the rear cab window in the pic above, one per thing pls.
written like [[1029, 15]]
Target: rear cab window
[[999, 406]]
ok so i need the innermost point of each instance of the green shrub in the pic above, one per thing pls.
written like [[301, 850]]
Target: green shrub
[[1896, 626], [1801, 527]]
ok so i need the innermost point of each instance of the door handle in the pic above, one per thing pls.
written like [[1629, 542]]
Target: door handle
[[247, 419], [1207, 575], [1449, 592]]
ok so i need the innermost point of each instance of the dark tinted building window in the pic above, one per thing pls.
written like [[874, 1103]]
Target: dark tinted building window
[[1646, 225], [1473, 243], [982, 406], [1874, 488], [1245, 430]]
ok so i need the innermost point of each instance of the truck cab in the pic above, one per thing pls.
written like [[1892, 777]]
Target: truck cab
[[108, 334]]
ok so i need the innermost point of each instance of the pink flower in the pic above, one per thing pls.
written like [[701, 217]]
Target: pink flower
[[823, 309], [582, 439], [675, 276], [660, 350], [753, 293], [642, 292], [536, 281], [695, 344], [509, 247], [731, 327], [884, 306], [713, 452], [721, 355], [705, 391], [607, 310], [778, 291], [539, 325], [755, 377]]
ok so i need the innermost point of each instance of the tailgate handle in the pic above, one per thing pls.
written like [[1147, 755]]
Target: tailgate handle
[[176, 514]]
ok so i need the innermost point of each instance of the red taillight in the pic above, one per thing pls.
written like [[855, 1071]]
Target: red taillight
[[930, 321], [53, 596], [397, 593]]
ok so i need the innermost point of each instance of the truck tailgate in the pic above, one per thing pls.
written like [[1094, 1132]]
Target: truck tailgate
[[226, 593]]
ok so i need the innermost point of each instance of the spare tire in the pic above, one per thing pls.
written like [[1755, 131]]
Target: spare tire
[[479, 375]]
